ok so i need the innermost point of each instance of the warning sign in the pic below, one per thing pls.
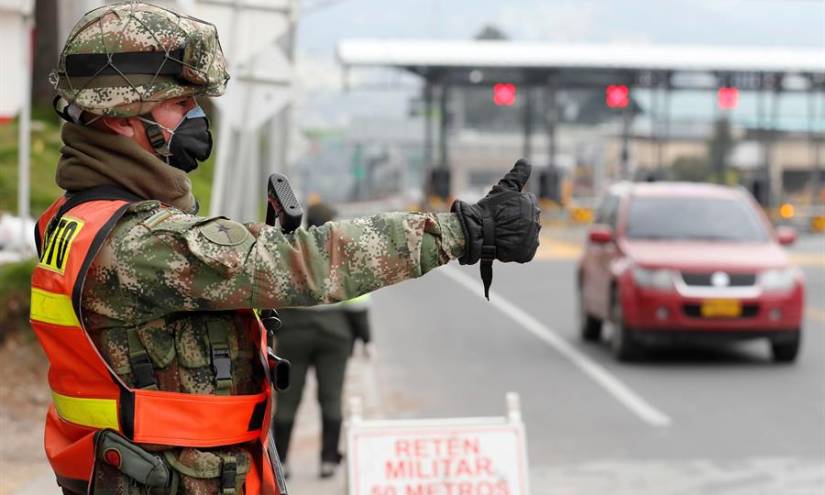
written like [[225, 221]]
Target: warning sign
[[437, 457]]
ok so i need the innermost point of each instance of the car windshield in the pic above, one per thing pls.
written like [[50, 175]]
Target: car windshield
[[694, 218]]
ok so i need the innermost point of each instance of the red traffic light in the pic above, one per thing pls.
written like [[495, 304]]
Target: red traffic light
[[727, 97], [617, 96], [504, 94]]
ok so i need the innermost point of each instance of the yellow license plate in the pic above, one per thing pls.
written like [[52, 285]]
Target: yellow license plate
[[721, 308]]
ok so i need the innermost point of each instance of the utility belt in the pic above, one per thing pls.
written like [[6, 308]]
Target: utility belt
[[121, 465]]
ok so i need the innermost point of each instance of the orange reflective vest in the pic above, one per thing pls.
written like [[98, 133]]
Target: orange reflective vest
[[88, 396]]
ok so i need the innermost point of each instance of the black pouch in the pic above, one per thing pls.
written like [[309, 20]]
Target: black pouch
[[123, 468]]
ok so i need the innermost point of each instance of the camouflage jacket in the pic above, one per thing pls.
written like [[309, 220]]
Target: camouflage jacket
[[161, 271], [167, 275]]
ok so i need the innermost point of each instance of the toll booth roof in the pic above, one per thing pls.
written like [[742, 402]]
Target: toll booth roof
[[424, 54]]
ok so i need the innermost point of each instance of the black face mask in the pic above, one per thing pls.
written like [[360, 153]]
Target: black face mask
[[191, 141]]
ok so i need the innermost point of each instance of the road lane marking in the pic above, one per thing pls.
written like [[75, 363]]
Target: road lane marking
[[621, 392]]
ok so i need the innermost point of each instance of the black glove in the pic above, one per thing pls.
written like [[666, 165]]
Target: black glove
[[504, 225]]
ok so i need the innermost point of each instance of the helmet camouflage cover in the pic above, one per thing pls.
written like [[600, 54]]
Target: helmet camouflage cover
[[121, 60]]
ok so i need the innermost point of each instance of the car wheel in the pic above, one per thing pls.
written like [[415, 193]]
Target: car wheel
[[786, 350], [622, 342], [590, 328]]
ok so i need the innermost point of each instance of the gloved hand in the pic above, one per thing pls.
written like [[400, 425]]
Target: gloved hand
[[504, 225]]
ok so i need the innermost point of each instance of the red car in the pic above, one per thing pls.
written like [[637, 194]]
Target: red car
[[677, 261]]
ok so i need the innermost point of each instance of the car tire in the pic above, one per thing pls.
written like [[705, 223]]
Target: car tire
[[622, 342], [590, 328], [786, 350]]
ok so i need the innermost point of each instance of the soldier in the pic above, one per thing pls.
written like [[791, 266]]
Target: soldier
[[323, 338], [159, 375]]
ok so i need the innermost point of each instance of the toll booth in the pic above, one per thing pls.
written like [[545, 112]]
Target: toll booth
[[529, 76]]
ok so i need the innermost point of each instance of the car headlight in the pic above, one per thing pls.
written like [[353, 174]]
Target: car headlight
[[778, 280], [653, 279]]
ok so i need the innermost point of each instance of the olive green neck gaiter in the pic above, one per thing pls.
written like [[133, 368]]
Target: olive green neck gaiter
[[90, 158]]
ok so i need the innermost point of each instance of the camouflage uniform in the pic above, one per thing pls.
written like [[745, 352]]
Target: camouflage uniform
[[173, 279], [169, 275]]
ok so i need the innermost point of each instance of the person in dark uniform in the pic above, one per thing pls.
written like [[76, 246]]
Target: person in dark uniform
[[322, 337]]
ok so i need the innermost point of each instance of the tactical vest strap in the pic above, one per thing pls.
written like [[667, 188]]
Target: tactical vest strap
[[221, 361], [229, 475], [97, 193], [143, 372]]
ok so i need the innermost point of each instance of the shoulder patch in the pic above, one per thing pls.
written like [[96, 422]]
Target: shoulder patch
[[224, 232]]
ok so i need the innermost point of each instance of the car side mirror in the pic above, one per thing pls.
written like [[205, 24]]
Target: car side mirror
[[600, 234], [786, 235]]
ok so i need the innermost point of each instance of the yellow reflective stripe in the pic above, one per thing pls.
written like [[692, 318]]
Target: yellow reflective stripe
[[51, 307], [95, 413]]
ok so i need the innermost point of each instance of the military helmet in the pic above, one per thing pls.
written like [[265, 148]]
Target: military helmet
[[122, 59]]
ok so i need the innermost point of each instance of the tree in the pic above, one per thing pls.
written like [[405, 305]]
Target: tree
[[46, 47], [491, 32]]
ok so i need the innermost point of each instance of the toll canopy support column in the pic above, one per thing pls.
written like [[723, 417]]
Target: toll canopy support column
[[550, 120], [428, 123], [774, 166], [655, 96], [527, 125], [815, 137], [443, 130], [762, 183], [664, 134], [627, 117]]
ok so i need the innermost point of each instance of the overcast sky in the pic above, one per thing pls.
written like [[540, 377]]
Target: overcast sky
[[728, 22]]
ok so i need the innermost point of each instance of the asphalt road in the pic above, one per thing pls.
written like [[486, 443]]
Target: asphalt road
[[699, 421], [707, 420]]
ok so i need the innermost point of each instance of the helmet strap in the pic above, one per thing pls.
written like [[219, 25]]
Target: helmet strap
[[154, 133], [70, 112]]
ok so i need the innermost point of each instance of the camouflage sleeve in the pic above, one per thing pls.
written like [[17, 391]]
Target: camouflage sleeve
[[342, 260], [193, 263]]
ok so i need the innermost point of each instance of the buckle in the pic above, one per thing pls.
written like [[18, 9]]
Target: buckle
[[221, 363], [155, 136], [488, 252], [229, 474], [143, 372]]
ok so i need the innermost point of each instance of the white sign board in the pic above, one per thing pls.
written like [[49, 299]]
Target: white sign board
[[474, 456]]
